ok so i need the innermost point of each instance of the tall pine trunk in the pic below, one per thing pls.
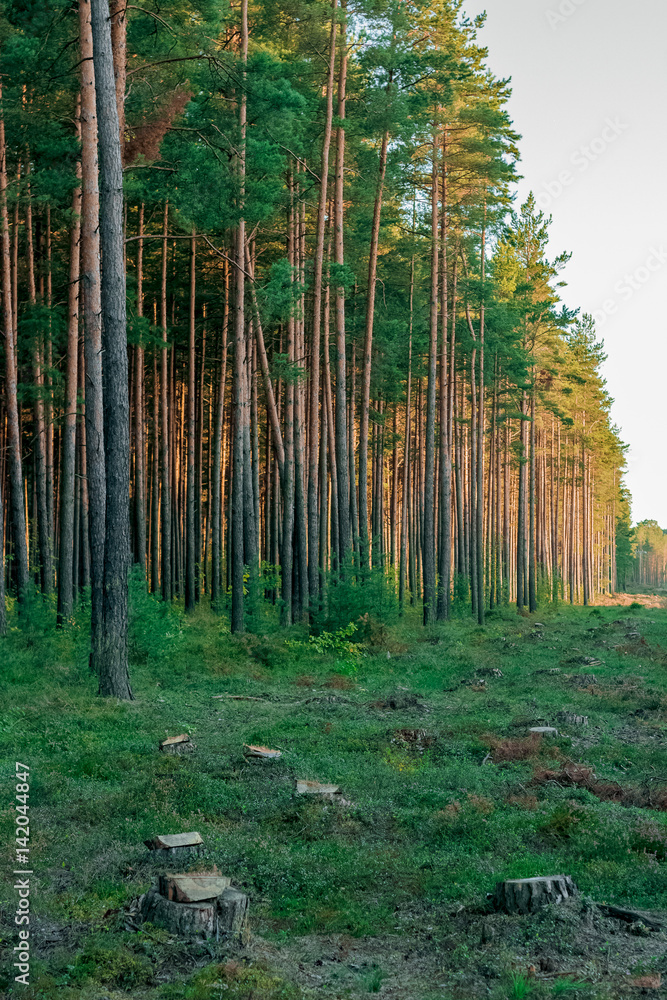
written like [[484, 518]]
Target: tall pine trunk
[[11, 401], [428, 549], [216, 486], [314, 443], [165, 427], [139, 473], [190, 568], [239, 387], [92, 327], [66, 550], [368, 356], [344, 530], [113, 663]]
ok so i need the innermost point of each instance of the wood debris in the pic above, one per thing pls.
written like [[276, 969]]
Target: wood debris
[[629, 916], [192, 888], [173, 740], [239, 697], [304, 787], [647, 982], [169, 841], [264, 753]]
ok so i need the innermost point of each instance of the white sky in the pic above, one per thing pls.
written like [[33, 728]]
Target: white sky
[[590, 74]]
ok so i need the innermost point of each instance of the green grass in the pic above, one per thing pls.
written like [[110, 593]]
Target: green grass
[[426, 833]]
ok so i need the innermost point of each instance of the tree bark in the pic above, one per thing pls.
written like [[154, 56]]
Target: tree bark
[[368, 355], [314, 443], [118, 13], [239, 388], [190, 569], [216, 489], [113, 664], [92, 326], [44, 541], [11, 401], [66, 549], [429, 471], [139, 469], [167, 580], [344, 534]]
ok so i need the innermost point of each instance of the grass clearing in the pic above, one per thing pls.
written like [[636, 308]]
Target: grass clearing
[[446, 792]]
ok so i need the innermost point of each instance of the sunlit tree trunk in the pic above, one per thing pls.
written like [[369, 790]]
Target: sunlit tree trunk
[[140, 472], [428, 549], [344, 533], [11, 401]]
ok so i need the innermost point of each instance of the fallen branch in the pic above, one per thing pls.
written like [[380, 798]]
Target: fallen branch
[[629, 916]]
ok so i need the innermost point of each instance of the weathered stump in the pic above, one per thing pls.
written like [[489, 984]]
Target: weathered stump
[[178, 745], [233, 916], [571, 719], [529, 895], [223, 917], [188, 920]]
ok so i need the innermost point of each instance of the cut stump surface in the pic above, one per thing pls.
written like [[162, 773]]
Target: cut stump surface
[[168, 841], [192, 888]]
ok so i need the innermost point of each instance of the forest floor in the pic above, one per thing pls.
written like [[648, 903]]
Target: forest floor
[[444, 793]]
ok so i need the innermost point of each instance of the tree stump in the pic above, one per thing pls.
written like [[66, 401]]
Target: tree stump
[[224, 917], [529, 895], [178, 745], [187, 920], [233, 916], [571, 719]]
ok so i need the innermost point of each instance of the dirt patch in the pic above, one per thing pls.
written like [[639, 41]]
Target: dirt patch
[[305, 681], [339, 682], [572, 775]]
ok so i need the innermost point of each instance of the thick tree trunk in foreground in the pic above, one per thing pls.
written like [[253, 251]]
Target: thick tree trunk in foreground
[[113, 663]]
